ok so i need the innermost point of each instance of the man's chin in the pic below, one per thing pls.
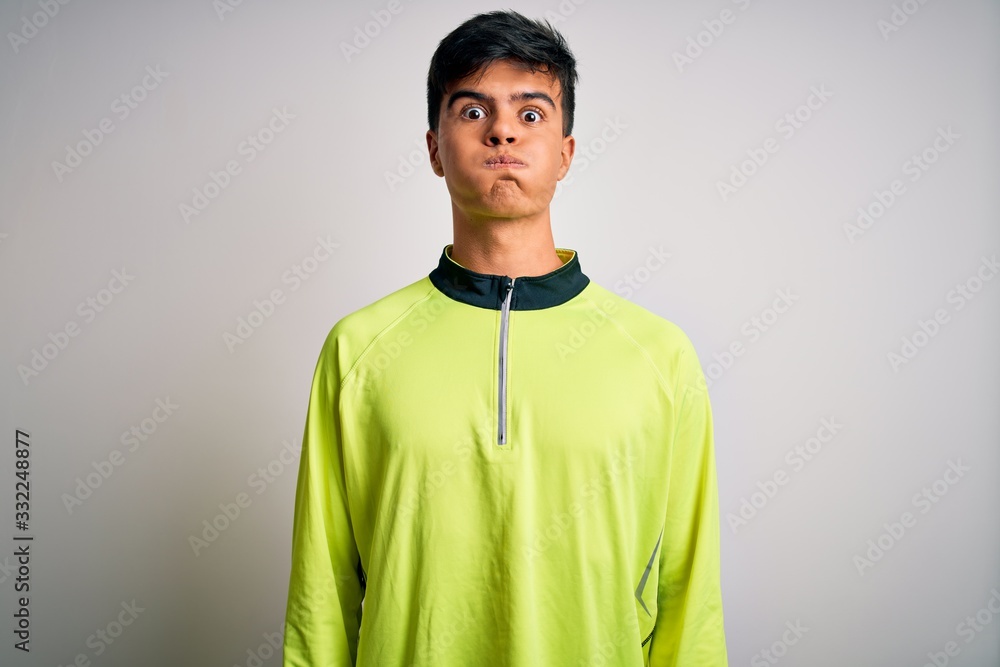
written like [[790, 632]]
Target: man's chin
[[501, 210], [501, 198]]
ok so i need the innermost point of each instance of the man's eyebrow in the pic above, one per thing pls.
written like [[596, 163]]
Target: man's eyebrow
[[521, 96]]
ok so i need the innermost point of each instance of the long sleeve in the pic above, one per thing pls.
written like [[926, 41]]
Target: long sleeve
[[327, 582], [689, 629]]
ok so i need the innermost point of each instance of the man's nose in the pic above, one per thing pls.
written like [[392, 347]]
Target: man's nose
[[503, 129]]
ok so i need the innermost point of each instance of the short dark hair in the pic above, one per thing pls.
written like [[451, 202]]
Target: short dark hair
[[501, 35]]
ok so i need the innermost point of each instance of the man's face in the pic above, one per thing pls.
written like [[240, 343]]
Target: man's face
[[508, 111]]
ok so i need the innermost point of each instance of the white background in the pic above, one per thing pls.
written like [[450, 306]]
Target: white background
[[340, 170]]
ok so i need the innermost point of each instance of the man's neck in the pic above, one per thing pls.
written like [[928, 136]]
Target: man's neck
[[506, 247]]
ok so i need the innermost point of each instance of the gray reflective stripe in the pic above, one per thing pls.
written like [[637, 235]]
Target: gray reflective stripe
[[645, 574], [504, 315]]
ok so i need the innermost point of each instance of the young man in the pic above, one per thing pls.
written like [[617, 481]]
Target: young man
[[508, 463]]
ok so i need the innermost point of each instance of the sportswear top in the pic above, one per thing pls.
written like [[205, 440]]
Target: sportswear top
[[507, 471]]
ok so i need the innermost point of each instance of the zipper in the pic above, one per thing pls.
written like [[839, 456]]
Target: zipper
[[504, 316]]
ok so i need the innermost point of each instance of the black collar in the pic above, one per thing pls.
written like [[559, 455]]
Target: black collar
[[529, 292]]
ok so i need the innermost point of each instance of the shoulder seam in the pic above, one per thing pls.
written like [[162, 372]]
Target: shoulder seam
[[402, 316], [627, 335]]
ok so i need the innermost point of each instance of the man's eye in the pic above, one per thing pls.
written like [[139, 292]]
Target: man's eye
[[532, 116]]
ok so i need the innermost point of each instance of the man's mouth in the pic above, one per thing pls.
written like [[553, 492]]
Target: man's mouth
[[502, 161]]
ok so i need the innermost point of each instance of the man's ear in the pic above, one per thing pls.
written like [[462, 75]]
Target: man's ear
[[568, 150], [432, 152]]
